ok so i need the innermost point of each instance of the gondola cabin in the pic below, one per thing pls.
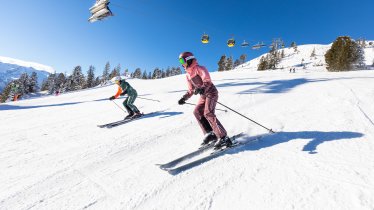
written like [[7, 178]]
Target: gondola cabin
[[205, 39], [245, 44], [100, 10], [231, 42]]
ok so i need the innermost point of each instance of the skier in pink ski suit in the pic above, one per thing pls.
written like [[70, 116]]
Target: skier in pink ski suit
[[199, 82]]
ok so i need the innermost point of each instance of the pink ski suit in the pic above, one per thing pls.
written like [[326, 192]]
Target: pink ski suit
[[198, 77]]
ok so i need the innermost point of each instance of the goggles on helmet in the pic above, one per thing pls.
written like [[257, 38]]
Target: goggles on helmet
[[183, 61]]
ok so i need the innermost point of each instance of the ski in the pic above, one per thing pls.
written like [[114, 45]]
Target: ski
[[197, 152], [121, 122], [212, 155], [112, 123]]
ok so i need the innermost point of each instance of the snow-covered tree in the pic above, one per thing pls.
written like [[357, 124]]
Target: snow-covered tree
[[263, 64], [51, 83], [24, 83], [157, 73], [78, 79], [243, 58], [126, 73], [118, 69], [144, 74], [237, 63], [60, 80], [105, 76], [282, 54], [137, 73], [69, 84], [91, 77], [33, 84], [9, 91], [113, 73], [360, 53], [222, 63], [229, 63]]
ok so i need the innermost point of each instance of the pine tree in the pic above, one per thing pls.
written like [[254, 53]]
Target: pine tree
[[222, 63], [69, 84], [149, 75], [137, 73], [157, 74], [118, 69], [44, 85], [243, 58], [293, 44], [342, 54], [144, 74], [105, 76], [282, 54], [229, 64], [91, 77], [78, 80], [24, 83], [237, 63], [51, 83], [113, 73], [360, 53], [33, 84], [59, 83], [168, 72], [5, 95], [126, 73], [262, 65], [163, 74], [97, 81]]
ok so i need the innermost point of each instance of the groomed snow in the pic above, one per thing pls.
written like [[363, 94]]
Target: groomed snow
[[53, 155]]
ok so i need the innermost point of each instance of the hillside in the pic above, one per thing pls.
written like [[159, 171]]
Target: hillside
[[11, 68], [53, 155], [295, 59]]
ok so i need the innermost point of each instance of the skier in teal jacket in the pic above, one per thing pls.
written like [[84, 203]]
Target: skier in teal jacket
[[123, 89]]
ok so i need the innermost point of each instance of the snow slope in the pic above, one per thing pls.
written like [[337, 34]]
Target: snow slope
[[11, 68], [53, 156], [294, 59]]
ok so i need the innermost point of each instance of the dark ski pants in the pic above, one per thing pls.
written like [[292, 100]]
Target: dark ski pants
[[128, 103], [204, 113]]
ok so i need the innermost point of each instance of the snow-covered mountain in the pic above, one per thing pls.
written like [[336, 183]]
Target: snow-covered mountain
[[11, 69], [303, 57], [53, 155]]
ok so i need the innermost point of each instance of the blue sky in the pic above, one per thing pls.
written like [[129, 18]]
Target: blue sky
[[149, 34]]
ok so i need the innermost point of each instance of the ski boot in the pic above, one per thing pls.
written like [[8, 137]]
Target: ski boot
[[209, 137], [136, 115], [129, 116], [223, 142]]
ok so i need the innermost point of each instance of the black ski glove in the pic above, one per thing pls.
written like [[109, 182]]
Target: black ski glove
[[199, 91], [112, 98], [124, 93], [182, 101]]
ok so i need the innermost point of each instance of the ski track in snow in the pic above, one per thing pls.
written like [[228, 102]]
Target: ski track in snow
[[53, 155]]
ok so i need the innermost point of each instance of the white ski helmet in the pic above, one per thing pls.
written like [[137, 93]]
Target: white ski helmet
[[116, 79]]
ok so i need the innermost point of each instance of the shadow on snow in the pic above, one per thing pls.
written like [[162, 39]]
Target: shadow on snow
[[315, 138]]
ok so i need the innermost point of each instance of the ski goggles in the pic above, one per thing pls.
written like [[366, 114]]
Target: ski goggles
[[183, 61]]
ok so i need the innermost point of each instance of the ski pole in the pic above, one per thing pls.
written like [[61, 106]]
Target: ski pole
[[118, 106], [270, 130], [216, 109], [148, 99]]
